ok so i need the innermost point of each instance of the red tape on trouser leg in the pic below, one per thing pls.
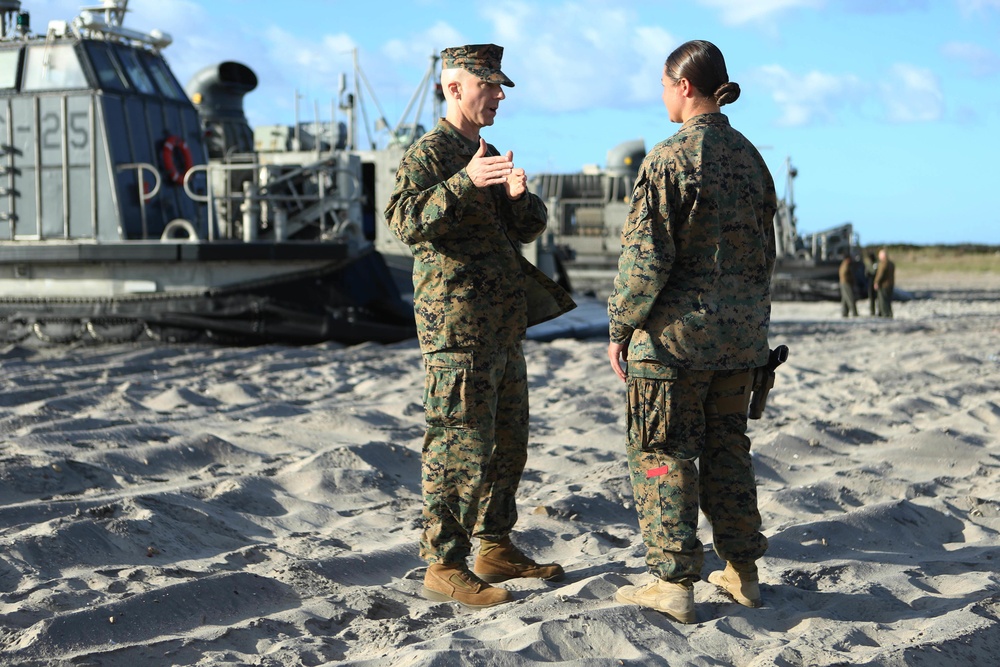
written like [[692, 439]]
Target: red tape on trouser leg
[[656, 472]]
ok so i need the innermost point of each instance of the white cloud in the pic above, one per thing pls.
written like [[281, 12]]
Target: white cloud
[[880, 7], [981, 61], [176, 15], [737, 12], [191, 48], [909, 94], [579, 54], [421, 46], [808, 98], [286, 65], [324, 59], [912, 95], [976, 6], [653, 45], [510, 22], [43, 11]]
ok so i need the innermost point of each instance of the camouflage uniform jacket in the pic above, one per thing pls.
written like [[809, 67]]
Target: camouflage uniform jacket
[[468, 286], [693, 284]]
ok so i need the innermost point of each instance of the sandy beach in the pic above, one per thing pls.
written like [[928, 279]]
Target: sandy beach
[[201, 505]]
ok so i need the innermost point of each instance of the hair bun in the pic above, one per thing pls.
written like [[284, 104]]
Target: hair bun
[[727, 93]]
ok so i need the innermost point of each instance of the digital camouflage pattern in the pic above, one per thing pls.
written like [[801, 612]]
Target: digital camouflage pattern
[[475, 448], [470, 307], [468, 286], [673, 418], [482, 60], [692, 300], [693, 283]]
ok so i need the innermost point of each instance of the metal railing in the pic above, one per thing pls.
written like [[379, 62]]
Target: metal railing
[[144, 197], [313, 207]]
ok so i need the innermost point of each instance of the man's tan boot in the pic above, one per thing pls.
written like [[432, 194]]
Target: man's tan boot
[[500, 561], [444, 582], [740, 581], [673, 599]]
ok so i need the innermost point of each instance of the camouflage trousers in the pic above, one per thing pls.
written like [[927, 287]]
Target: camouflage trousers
[[687, 446], [475, 448]]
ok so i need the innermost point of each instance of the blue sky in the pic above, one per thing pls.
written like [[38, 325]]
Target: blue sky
[[889, 109]]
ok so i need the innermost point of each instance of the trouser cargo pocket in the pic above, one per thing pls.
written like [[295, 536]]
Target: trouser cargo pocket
[[729, 392], [447, 387], [656, 406]]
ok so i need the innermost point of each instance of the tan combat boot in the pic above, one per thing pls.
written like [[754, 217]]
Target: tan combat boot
[[740, 581], [500, 561], [453, 582], [673, 599]]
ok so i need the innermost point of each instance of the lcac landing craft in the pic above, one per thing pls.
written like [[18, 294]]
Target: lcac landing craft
[[125, 215]]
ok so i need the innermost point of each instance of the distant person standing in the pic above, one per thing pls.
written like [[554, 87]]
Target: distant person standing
[[885, 280], [689, 314], [870, 268], [462, 207], [848, 305]]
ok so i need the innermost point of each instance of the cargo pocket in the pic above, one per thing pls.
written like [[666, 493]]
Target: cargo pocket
[[446, 388], [665, 412], [649, 404], [729, 392]]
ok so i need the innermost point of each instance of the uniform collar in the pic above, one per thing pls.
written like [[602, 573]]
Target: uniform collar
[[452, 132], [706, 119]]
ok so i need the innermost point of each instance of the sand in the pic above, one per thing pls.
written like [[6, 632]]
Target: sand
[[199, 505]]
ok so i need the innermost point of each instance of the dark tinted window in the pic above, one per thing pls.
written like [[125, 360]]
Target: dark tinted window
[[137, 76], [108, 74], [164, 80]]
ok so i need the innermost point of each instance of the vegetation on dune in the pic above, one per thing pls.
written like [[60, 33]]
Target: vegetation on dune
[[960, 258]]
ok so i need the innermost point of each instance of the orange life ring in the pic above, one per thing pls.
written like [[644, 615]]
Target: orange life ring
[[172, 144]]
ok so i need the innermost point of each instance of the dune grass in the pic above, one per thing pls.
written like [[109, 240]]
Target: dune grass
[[943, 258]]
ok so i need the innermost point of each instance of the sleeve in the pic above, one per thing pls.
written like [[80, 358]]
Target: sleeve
[[647, 257], [770, 210], [426, 203], [527, 219]]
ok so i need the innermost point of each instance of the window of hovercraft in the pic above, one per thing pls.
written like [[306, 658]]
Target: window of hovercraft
[[109, 75], [164, 80], [53, 67], [9, 61], [133, 69]]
